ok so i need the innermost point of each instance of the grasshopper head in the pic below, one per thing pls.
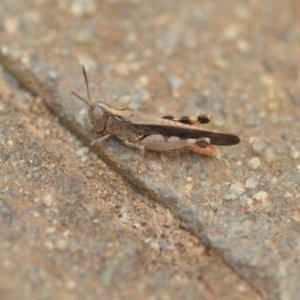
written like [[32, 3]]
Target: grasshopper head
[[97, 114]]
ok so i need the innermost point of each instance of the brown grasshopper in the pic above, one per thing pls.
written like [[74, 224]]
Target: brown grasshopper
[[143, 131]]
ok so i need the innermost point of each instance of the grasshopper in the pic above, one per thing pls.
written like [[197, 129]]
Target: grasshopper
[[144, 131]]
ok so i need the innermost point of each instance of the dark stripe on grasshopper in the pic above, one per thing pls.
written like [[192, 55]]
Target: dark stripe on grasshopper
[[203, 119], [216, 138]]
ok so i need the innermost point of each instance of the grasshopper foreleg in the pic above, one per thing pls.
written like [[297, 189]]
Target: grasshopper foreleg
[[93, 143]]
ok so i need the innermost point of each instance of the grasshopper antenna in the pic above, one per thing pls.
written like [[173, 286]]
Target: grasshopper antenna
[[87, 84], [89, 103], [79, 97]]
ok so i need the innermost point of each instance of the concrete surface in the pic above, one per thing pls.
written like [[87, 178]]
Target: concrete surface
[[70, 224]]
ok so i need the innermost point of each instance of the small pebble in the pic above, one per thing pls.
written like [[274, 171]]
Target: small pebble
[[188, 187], [142, 82], [154, 165], [137, 225], [242, 288], [174, 84], [220, 63], [285, 136], [89, 174], [83, 7], [267, 80], [252, 183], [243, 200], [125, 99], [235, 191], [52, 74], [47, 200], [84, 158], [261, 196], [288, 195], [93, 156], [13, 192], [254, 163], [154, 246], [269, 155], [36, 214], [121, 69], [242, 45], [295, 154], [274, 119], [81, 117], [267, 207], [49, 245], [296, 218], [258, 145], [250, 202], [162, 246], [232, 31], [274, 180], [82, 151], [61, 245], [131, 38], [50, 230], [71, 285]]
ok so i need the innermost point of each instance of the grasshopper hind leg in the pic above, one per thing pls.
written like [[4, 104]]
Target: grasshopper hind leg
[[204, 147], [203, 142], [210, 150]]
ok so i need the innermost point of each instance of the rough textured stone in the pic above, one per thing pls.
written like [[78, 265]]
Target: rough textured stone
[[232, 61]]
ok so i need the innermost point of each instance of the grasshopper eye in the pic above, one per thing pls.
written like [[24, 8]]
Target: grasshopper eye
[[98, 113]]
